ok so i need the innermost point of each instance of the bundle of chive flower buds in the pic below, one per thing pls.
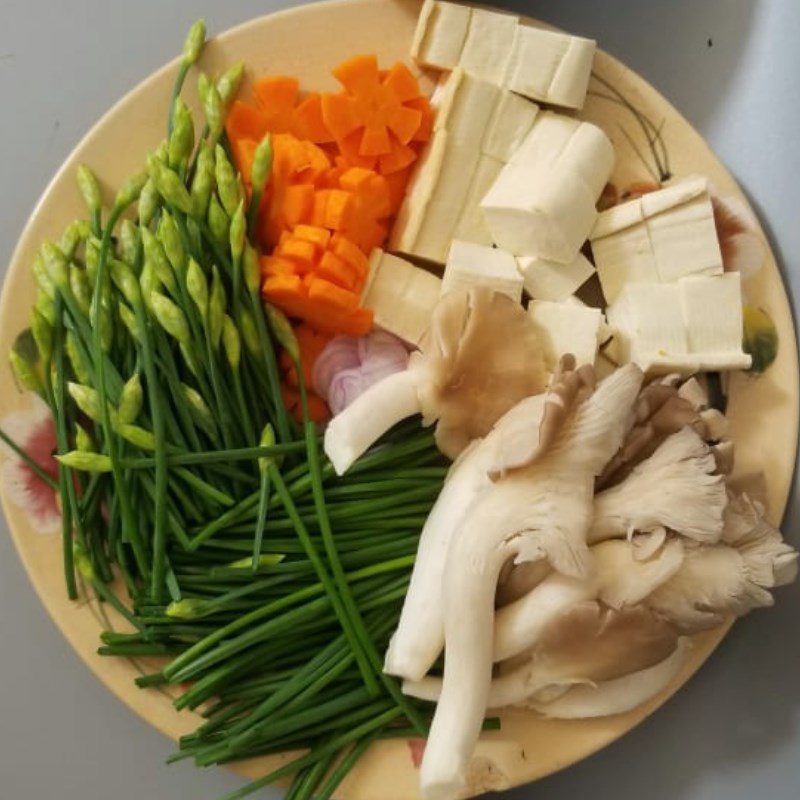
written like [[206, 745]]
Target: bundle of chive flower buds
[[191, 502]]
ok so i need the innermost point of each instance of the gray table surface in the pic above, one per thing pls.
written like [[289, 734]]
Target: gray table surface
[[732, 67]]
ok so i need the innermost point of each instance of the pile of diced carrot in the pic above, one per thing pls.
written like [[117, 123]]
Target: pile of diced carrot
[[341, 163]]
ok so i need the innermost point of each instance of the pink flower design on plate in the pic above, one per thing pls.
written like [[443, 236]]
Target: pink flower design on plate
[[742, 247], [34, 431]]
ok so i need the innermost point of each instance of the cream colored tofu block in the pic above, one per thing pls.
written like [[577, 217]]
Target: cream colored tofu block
[[470, 264], [440, 34], [467, 107], [550, 66], [567, 328], [511, 121], [543, 202], [662, 236], [489, 44], [471, 225], [549, 280], [401, 295], [691, 325]]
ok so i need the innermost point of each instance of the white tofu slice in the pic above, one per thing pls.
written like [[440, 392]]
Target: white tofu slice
[[567, 328], [649, 329], [510, 123], [550, 66], [420, 191], [401, 296], [471, 225], [660, 237], [471, 264], [440, 34], [712, 310], [466, 108], [546, 141], [546, 212], [549, 280], [489, 43]]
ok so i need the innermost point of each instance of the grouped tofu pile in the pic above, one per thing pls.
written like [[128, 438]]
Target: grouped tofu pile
[[505, 196]]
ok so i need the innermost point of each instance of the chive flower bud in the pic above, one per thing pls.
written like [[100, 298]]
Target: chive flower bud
[[169, 185], [262, 163], [264, 560], [216, 308], [55, 264], [181, 141], [201, 414], [195, 40], [82, 561], [282, 331], [86, 399], [252, 269], [125, 280], [85, 462], [191, 361], [238, 232], [170, 318], [130, 190], [24, 372], [89, 188], [213, 108], [231, 342], [267, 440], [156, 259], [197, 287], [42, 278], [130, 400], [128, 241], [218, 222], [187, 608], [83, 441], [105, 323], [229, 83], [229, 186], [170, 238], [92, 258], [203, 182], [149, 201], [76, 232], [45, 306], [80, 287], [130, 321], [249, 332], [137, 436], [75, 358], [43, 336]]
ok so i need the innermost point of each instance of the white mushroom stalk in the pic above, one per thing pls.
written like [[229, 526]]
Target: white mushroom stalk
[[674, 488], [587, 645], [616, 696], [480, 356], [518, 437], [539, 510]]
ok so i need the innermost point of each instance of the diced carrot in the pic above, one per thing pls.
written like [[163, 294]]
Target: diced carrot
[[404, 122], [339, 115], [350, 252], [297, 250], [273, 265], [401, 83], [372, 190], [243, 154], [245, 122], [311, 233], [375, 141], [329, 294], [333, 208], [400, 158], [298, 202], [276, 93], [350, 147], [338, 271], [425, 131]]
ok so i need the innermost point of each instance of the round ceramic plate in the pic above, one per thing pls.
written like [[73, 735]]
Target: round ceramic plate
[[307, 42]]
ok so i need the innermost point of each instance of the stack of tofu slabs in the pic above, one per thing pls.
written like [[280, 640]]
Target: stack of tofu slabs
[[672, 308]]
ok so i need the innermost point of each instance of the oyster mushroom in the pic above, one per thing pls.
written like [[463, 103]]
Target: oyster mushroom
[[480, 356]]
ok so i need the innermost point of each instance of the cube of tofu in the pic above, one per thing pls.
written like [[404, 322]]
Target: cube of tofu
[[567, 328], [688, 326], [543, 202], [489, 44], [549, 280], [550, 66], [440, 34], [401, 296], [471, 264], [660, 237], [510, 123], [471, 225]]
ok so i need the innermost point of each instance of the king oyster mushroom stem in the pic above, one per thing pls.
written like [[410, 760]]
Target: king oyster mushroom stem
[[675, 488], [616, 696], [540, 510], [518, 438], [588, 644], [480, 356]]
